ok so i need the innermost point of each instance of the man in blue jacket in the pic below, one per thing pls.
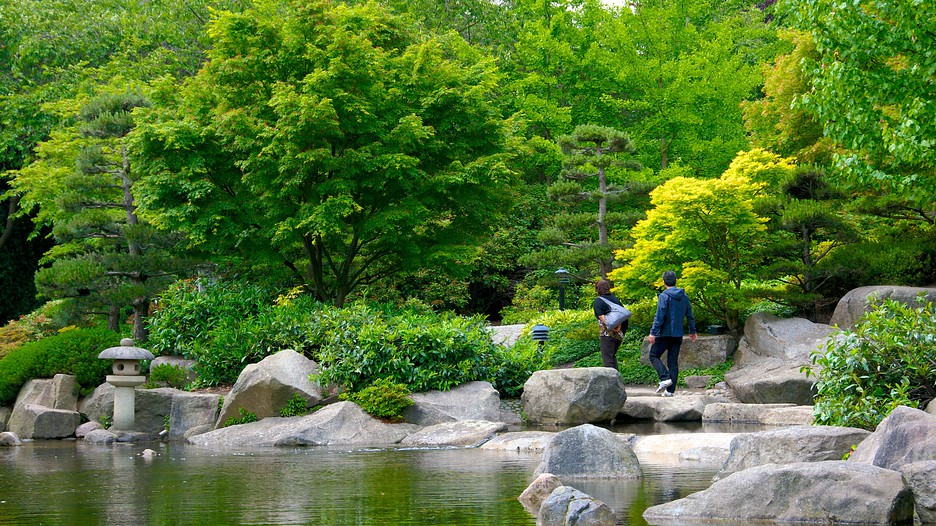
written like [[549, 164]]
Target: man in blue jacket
[[666, 335]]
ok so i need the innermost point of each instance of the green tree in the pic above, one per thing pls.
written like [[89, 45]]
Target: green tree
[[708, 229], [774, 121], [872, 90], [331, 140], [106, 256], [681, 70], [53, 56], [591, 152]]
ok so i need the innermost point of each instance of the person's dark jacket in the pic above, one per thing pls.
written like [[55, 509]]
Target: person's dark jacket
[[672, 306]]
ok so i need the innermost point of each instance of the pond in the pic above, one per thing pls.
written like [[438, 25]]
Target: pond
[[69, 482]]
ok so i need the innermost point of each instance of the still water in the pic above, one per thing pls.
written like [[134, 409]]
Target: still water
[[68, 482]]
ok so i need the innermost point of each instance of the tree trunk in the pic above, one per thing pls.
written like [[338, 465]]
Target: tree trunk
[[113, 318], [140, 311]]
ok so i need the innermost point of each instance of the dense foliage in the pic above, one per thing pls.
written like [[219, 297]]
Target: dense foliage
[[382, 399], [886, 360], [71, 352]]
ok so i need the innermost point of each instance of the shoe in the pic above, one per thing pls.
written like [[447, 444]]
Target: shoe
[[663, 385], [666, 394]]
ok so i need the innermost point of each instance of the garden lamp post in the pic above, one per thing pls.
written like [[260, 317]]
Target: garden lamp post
[[125, 378], [564, 278]]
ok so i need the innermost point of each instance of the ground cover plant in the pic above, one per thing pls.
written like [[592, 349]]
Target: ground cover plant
[[886, 360]]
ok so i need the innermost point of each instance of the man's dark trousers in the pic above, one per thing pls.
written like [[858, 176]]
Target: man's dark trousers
[[669, 345]]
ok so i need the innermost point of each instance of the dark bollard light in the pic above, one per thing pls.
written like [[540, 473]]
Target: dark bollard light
[[126, 377], [540, 334]]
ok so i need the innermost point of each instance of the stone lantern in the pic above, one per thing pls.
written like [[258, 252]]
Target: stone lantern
[[125, 378]]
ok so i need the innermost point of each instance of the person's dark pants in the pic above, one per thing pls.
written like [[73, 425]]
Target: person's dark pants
[[669, 345], [609, 348]]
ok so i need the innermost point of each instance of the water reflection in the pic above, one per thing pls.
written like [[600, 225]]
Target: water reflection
[[113, 485]]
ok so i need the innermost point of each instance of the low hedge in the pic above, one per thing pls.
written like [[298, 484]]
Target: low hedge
[[70, 352]]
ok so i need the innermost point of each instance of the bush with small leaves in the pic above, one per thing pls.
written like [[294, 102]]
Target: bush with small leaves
[[887, 359], [382, 399], [246, 417], [295, 406]]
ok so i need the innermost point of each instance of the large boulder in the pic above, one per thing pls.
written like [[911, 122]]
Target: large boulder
[[707, 351], [766, 414], [589, 452], [857, 302], [831, 491], [39, 422], [468, 401], [60, 392], [342, 423], [153, 409], [921, 479], [567, 506], [573, 396], [771, 381], [673, 409], [788, 339], [265, 387], [464, 433], [192, 413], [537, 492], [905, 436], [99, 405], [789, 445]]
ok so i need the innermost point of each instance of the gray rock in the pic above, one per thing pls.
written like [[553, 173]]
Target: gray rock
[[535, 441], [706, 351], [506, 335], [533, 496], [705, 455], [567, 506], [61, 392], [464, 433], [264, 388], [83, 430], [8, 439], [468, 401], [674, 409], [99, 404], [589, 452], [788, 339], [855, 303], [769, 414], [790, 445], [669, 447], [905, 436], [342, 423], [825, 492], [101, 436], [697, 381], [4, 417], [573, 396], [192, 413], [153, 408], [771, 381], [921, 479], [38, 422]]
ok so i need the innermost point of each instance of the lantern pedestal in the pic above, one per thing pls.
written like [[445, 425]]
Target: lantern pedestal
[[124, 399]]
